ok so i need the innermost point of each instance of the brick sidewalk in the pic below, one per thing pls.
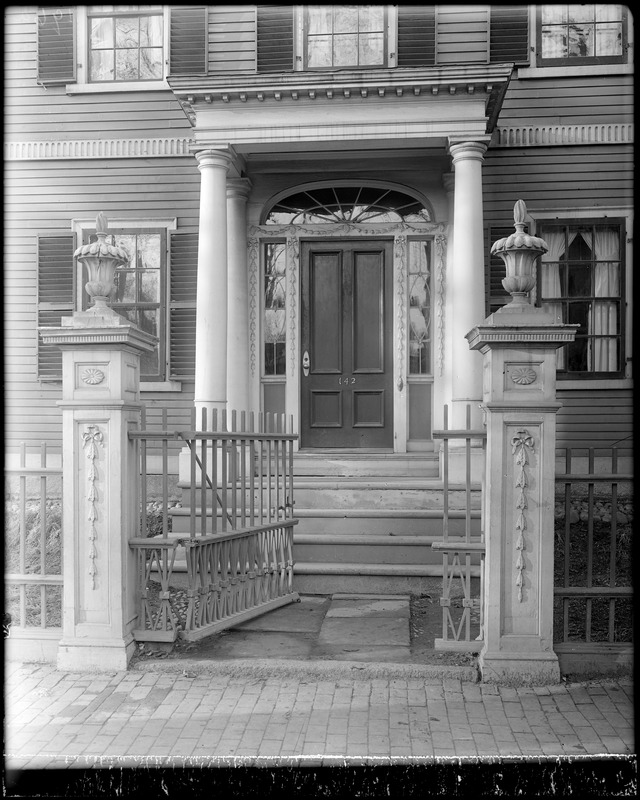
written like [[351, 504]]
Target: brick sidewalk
[[57, 719]]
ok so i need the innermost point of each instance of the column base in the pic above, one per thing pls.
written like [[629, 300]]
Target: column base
[[95, 655], [521, 669]]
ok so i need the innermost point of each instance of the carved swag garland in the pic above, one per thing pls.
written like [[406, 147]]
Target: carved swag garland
[[521, 443]]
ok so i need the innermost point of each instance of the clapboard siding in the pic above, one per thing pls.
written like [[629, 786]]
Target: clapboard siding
[[462, 34], [595, 99], [595, 417], [232, 39], [553, 177]]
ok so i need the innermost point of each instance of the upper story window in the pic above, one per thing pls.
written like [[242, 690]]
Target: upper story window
[[345, 36], [581, 281], [125, 43], [582, 34]]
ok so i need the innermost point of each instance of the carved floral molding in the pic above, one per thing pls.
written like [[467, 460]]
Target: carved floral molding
[[93, 439], [521, 443], [155, 147]]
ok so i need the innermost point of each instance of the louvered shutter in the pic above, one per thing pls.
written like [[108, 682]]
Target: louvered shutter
[[56, 46], [56, 291], [275, 38], [182, 304], [188, 40], [416, 36], [509, 38], [495, 294]]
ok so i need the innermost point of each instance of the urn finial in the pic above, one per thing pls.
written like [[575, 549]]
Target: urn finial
[[519, 252], [102, 259]]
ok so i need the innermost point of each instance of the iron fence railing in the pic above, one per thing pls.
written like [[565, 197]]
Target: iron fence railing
[[33, 544], [593, 549], [237, 552], [462, 556]]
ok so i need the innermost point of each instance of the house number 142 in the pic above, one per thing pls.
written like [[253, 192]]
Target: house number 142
[[345, 381]]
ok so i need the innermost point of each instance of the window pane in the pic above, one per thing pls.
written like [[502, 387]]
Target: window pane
[[274, 309], [127, 65], [127, 32], [151, 31], [608, 13], [345, 50], [319, 19], [554, 14], [125, 280], [371, 18], [581, 40], [150, 286], [609, 41], [581, 13], [319, 51], [101, 65], [346, 19], [148, 250], [419, 308], [150, 63], [580, 280], [101, 33], [371, 49]]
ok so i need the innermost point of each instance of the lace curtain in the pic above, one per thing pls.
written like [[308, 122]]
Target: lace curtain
[[602, 353]]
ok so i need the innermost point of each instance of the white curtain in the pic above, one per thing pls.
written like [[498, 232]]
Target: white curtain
[[603, 353], [550, 278]]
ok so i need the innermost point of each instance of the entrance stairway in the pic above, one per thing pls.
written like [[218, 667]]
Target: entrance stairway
[[367, 522]]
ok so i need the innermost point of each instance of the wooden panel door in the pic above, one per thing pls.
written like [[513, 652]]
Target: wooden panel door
[[346, 370]]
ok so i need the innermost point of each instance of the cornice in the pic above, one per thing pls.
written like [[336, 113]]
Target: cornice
[[157, 147], [460, 81]]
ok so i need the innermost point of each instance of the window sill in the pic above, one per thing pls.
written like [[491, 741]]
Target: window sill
[[588, 70], [104, 88], [161, 386]]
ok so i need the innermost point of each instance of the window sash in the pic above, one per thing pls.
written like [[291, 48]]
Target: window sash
[[332, 31], [146, 60], [588, 291], [588, 33]]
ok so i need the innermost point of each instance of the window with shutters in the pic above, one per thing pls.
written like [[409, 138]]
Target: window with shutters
[[156, 290], [123, 48], [581, 34]]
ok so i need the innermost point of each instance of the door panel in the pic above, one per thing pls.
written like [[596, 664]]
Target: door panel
[[346, 395]]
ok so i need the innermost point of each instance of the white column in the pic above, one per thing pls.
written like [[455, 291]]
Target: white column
[[211, 303], [442, 389], [238, 391], [466, 287]]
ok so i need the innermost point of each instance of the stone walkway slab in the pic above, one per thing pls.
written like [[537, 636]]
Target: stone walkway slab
[[379, 632], [362, 608]]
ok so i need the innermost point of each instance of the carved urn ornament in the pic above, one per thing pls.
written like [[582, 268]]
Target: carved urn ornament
[[102, 259], [519, 252]]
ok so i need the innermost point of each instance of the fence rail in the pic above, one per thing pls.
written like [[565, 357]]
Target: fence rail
[[33, 546], [593, 544], [237, 550], [461, 631]]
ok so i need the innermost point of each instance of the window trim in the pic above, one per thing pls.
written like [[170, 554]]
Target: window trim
[[167, 224], [300, 43], [82, 84], [623, 219]]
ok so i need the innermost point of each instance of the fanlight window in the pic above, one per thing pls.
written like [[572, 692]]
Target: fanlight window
[[348, 204]]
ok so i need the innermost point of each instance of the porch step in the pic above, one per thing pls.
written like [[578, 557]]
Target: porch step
[[391, 522], [365, 465]]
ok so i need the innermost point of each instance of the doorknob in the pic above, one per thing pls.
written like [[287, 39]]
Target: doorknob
[[305, 363]]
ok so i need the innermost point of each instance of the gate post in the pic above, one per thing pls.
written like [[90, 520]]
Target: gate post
[[100, 403], [519, 344]]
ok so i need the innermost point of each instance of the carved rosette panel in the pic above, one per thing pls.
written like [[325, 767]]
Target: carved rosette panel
[[92, 376], [293, 268], [521, 444], [440, 242], [253, 262], [93, 440], [400, 268]]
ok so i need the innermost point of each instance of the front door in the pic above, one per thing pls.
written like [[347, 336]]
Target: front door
[[346, 370]]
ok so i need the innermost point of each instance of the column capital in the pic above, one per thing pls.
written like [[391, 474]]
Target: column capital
[[238, 187], [465, 150], [223, 159]]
